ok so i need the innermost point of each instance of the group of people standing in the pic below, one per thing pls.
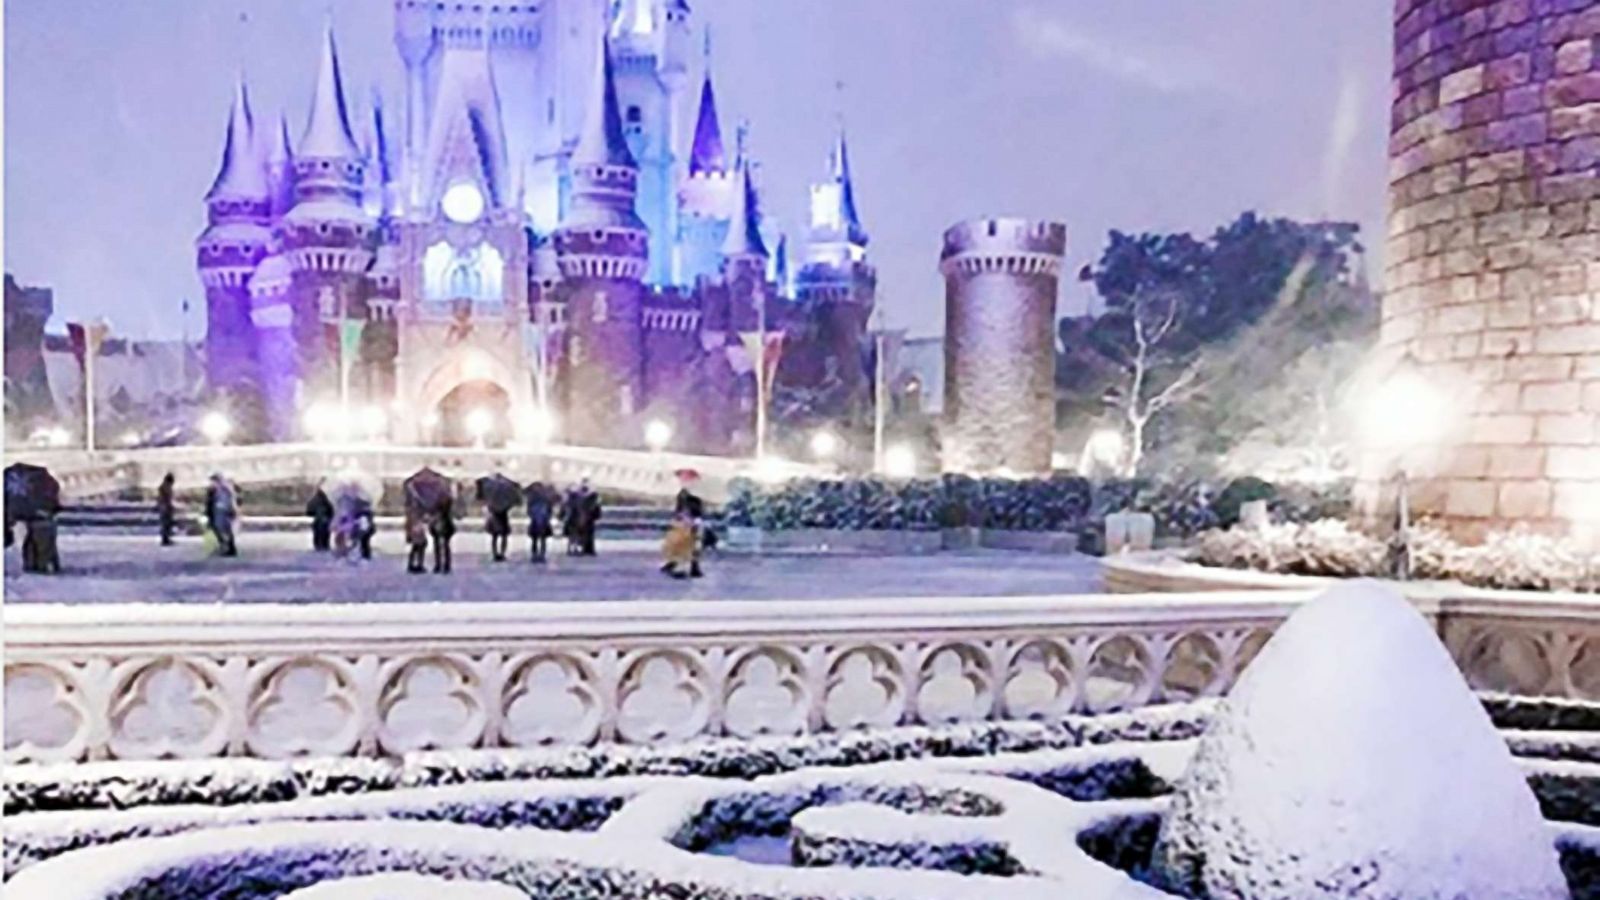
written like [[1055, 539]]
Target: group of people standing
[[343, 520]]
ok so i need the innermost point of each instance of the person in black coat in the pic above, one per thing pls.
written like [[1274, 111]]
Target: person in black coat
[[589, 515], [443, 528], [541, 503], [167, 508], [320, 509]]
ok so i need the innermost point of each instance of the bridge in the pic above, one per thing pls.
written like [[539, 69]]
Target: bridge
[[648, 475]]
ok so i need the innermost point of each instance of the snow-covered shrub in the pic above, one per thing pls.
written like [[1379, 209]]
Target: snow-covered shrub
[[1509, 711], [1517, 559], [845, 836], [405, 886]]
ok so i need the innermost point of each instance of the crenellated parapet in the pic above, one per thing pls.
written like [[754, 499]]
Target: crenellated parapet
[[1001, 281]]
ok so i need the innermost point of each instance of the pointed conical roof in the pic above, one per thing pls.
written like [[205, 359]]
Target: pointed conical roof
[[282, 150], [243, 173], [744, 227], [707, 154], [328, 133], [466, 128], [602, 142], [382, 157]]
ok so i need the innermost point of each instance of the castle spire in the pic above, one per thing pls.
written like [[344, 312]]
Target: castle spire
[[744, 227], [382, 159], [243, 173], [280, 165], [328, 134], [602, 142], [707, 153]]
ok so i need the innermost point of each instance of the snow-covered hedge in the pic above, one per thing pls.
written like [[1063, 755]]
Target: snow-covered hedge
[[1515, 560], [121, 785], [859, 834], [1064, 503]]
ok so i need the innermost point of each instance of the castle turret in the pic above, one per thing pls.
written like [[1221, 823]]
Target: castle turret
[[280, 169], [706, 193], [836, 288], [1001, 279], [603, 252], [648, 87], [328, 237], [236, 239]]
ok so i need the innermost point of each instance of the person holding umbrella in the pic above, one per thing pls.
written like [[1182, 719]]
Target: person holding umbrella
[[691, 509], [167, 508], [541, 503], [499, 495], [429, 498], [33, 497]]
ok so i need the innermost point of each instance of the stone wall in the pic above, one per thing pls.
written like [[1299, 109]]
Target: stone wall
[[1494, 260], [1001, 280]]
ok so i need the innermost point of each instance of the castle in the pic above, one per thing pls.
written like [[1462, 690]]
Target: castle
[[533, 248]]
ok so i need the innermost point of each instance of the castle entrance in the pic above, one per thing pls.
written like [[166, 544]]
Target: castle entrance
[[473, 414]]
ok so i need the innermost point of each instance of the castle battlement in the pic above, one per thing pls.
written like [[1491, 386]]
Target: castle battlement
[[1001, 236]]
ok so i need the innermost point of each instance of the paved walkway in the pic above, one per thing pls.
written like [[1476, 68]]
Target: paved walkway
[[277, 567]]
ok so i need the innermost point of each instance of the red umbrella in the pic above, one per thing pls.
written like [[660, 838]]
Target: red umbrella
[[687, 475]]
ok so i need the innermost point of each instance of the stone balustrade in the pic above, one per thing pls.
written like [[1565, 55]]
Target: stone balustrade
[[88, 683], [84, 475]]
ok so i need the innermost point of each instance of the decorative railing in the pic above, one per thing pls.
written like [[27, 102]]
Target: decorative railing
[[181, 681], [630, 471]]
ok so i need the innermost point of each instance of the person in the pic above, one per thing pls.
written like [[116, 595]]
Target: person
[[167, 508], [677, 548], [589, 503], [497, 522], [416, 537], [540, 502], [320, 509], [366, 525], [39, 552], [443, 527], [692, 509], [572, 520], [222, 509]]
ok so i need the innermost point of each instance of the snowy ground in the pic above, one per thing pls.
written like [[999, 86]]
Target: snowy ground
[[101, 567]]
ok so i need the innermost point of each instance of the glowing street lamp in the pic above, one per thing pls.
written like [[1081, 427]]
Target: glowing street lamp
[[479, 421], [539, 425], [374, 421], [657, 434], [1104, 450], [216, 427], [772, 470], [1405, 413], [824, 445], [900, 461]]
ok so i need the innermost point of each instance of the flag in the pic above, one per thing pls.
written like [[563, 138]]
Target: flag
[[768, 360], [349, 339], [86, 339]]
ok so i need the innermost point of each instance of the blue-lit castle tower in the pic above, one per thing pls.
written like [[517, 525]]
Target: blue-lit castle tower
[[535, 239]]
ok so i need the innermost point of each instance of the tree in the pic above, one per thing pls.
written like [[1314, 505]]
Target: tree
[[1234, 311], [1143, 340]]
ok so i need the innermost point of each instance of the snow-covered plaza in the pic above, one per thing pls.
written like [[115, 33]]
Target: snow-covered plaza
[[275, 566]]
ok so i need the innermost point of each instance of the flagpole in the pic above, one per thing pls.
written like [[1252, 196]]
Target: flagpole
[[879, 401], [90, 352], [761, 376]]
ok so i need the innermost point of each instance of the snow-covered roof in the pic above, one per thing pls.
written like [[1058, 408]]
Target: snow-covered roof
[[275, 269], [465, 132], [707, 154], [744, 228], [325, 209], [328, 133], [237, 233], [243, 173], [601, 141]]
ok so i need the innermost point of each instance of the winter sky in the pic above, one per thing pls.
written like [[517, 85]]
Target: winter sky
[[1128, 114]]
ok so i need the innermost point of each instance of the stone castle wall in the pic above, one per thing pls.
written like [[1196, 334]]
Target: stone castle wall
[[1001, 280], [1493, 282]]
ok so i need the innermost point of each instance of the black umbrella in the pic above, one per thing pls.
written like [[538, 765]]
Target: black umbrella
[[428, 491], [31, 492], [499, 493]]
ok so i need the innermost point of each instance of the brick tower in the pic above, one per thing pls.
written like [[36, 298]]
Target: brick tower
[[1001, 280], [602, 250], [1493, 282]]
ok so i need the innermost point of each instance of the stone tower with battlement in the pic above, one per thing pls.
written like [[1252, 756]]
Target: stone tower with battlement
[[1493, 283], [1001, 280]]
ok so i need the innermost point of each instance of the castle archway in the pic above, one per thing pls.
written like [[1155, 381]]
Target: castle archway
[[469, 398]]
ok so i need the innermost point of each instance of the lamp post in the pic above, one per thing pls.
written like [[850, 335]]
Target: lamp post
[[216, 427], [478, 424]]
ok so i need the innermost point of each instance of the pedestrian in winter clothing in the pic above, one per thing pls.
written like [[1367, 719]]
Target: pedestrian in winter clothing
[[222, 510], [320, 509], [691, 508], [541, 504], [167, 508], [678, 548], [442, 525], [590, 511]]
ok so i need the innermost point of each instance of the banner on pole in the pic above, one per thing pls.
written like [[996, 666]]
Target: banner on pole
[[764, 356], [86, 339], [349, 339]]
